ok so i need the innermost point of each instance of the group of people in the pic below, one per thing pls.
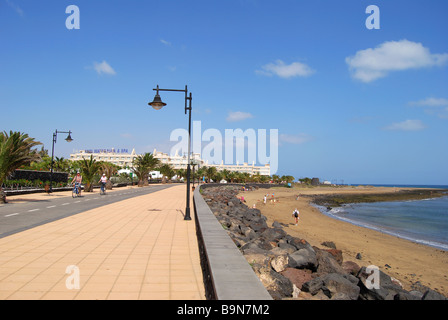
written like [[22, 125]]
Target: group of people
[[266, 198], [77, 180]]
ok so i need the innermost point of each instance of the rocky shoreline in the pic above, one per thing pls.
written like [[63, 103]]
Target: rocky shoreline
[[337, 200], [290, 268]]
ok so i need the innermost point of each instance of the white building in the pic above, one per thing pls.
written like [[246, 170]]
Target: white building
[[122, 158], [119, 157]]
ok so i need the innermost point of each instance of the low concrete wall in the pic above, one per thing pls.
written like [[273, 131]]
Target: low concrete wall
[[227, 274]]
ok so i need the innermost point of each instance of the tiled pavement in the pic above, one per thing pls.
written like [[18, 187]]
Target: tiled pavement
[[140, 248]]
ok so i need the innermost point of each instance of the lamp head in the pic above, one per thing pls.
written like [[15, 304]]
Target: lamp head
[[69, 138], [157, 103]]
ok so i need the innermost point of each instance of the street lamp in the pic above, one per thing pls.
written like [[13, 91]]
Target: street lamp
[[55, 135], [158, 104]]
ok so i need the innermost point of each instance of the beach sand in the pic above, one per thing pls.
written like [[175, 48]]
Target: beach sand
[[409, 262]]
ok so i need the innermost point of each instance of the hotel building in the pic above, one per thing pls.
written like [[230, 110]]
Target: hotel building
[[122, 158]]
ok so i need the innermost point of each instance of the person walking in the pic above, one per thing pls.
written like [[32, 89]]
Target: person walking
[[295, 214]]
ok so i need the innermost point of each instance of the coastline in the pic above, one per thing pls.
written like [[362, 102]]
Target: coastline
[[409, 262]]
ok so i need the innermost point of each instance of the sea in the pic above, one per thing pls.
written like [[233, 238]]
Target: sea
[[421, 221]]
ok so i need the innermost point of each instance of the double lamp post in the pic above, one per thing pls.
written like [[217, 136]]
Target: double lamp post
[[158, 104]]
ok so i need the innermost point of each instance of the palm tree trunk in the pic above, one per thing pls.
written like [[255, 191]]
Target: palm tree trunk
[[2, 196]]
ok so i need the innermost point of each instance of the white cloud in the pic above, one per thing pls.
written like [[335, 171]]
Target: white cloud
[[407, 125], [167, 43], [238, 116], [15, 7], [371, 64], [282, 70], [295, 138], [433, 106], [430, 102], [103, 67]]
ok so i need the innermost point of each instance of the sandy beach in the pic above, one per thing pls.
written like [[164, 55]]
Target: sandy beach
[[402, 259]]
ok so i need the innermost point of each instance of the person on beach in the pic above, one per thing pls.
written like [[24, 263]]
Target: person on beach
[[295, 214], [264, 199]]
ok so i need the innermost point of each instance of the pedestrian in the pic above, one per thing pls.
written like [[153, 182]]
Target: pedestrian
[[264, 199], [295, 214]]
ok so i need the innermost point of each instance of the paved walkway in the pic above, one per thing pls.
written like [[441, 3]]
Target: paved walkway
[[139, 248]]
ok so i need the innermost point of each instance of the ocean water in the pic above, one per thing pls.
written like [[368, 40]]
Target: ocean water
[[422, 221]]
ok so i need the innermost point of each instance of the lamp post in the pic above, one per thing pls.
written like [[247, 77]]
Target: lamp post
[[55, 136], [157, 104]]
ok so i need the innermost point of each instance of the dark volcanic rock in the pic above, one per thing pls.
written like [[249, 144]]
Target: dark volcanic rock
[[286, 264]]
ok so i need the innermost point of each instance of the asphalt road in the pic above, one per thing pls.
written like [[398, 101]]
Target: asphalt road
[[18, 217]]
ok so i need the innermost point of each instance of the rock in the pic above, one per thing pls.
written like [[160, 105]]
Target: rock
[[280, 251], [277, 285], [337, 255], [286, 246], [329, 244], [327, 263], [333, 285], [280, 263], [340, 287], [273, 234], [297, 276], [380, 288], [303, 259], [433, 295], [359, 256], [277, 224], [299, 243], [351, 267], [313, 286]]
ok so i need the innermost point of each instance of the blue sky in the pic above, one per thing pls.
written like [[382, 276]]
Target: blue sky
[[350, 103]]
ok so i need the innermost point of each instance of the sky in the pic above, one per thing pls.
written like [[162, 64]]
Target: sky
[[351, 94]]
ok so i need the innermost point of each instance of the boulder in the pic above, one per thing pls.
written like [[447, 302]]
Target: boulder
[[337, 255], [277, 285], [280, 262], [327, 263], [286, 246], [329, 244], [277, 224], [340, 287], [351, 267], [377, 288], [433, 295], [334, 286], [303, 259], [297, 276], [273, 234]]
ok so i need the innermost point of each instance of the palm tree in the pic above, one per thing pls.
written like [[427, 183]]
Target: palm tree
[[15, 151], [61, 165], [167, 171], [142, 165], [89, 168], [225, 174], [211, 172], [181, 173]]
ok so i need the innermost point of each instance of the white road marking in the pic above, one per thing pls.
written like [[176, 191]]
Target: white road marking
[[12, 214]]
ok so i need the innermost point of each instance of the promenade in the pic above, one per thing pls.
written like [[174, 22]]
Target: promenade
[[139, 249]]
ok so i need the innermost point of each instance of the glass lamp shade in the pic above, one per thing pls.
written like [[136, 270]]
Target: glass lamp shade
[[157, 103]]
